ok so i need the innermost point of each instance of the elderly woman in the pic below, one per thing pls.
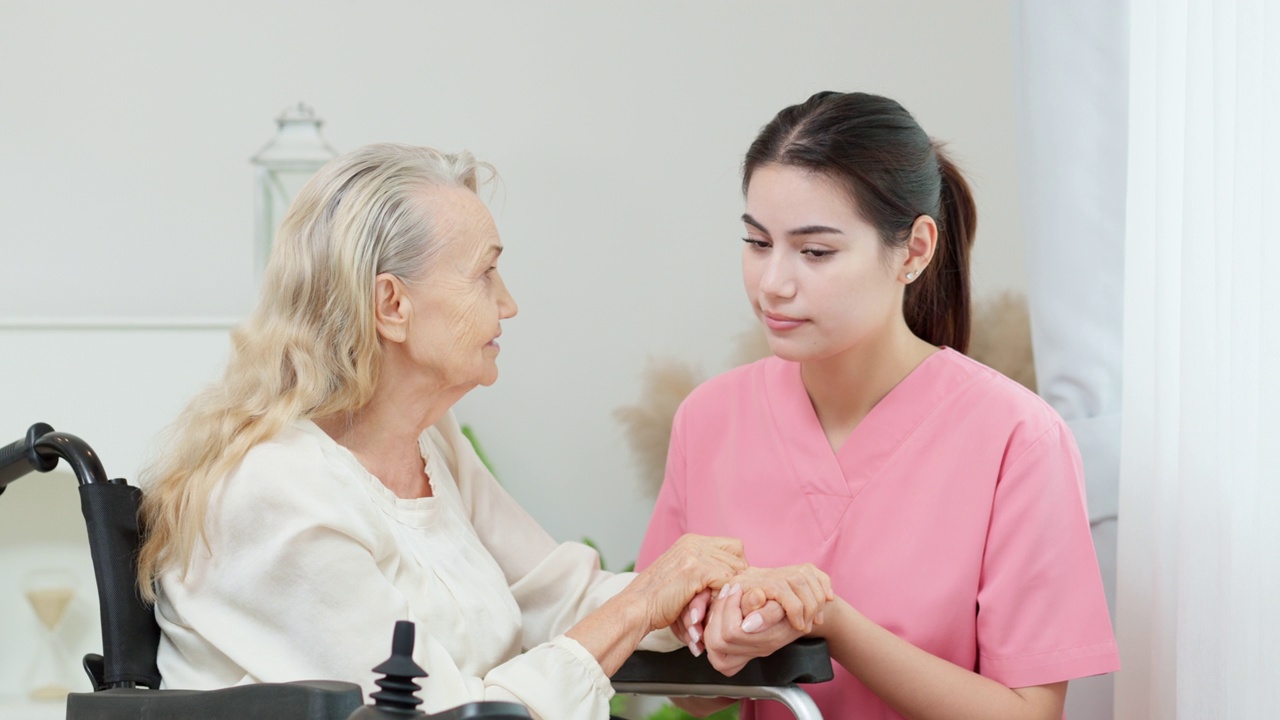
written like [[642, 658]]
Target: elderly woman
[[323, 490]]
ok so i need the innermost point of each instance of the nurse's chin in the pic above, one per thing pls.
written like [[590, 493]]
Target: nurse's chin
[[790, 351]]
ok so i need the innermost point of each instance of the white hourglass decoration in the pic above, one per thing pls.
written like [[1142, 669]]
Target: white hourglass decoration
[[49, 593]]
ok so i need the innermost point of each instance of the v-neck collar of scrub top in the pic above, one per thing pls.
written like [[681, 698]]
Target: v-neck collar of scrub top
[[832, 480]]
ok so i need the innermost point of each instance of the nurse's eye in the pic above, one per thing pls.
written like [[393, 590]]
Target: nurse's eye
[[756, 244], [816, 253]]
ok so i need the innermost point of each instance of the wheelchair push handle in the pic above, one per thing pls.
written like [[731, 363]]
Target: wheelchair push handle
[[21, 457], [40, 449]]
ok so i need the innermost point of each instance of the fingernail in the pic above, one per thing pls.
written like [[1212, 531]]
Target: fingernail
[[752, 623], [694, 634], [695, 615], [695, 649], [735, 589], [724, 591]]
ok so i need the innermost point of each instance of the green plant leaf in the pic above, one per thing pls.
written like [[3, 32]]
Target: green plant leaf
[[471, 435], [592, 544], [671, 712]]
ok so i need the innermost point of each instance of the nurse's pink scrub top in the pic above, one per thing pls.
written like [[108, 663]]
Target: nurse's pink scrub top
[[954, 516]]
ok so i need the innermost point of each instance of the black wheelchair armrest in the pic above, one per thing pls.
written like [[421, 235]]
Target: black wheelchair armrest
[[306, 700], [806, 660]]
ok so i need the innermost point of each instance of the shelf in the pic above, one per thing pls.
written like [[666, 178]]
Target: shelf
[[14, 709]]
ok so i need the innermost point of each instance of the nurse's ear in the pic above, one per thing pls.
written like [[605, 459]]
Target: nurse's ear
[[920, 246], [391, 307]]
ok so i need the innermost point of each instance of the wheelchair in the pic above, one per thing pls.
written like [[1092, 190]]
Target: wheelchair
[[126, 680]]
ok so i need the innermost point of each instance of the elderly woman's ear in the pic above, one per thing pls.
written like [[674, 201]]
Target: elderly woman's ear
[[391, 307]]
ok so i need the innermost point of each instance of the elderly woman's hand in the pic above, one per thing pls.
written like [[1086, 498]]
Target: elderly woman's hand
[[656, 597], [691, 624], [802, 591], [693, 564]]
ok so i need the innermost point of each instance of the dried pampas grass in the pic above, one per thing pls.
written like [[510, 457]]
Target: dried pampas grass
[[1001, 338], [663, 386]]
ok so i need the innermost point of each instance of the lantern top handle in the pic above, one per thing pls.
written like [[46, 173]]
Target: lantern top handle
[[298, 143], [301, 112]]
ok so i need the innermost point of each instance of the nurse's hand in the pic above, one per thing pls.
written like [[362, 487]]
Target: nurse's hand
[[729, 647], [746, 617], [693, 564]]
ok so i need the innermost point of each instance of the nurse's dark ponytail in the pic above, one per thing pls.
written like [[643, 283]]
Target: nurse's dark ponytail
[[895, 174]]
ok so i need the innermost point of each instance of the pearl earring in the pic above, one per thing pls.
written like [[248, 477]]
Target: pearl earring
[[911, 276]]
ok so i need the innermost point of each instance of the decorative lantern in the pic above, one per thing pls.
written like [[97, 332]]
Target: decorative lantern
[[281, 168]]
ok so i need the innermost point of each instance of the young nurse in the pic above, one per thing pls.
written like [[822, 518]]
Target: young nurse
[[944, 502]]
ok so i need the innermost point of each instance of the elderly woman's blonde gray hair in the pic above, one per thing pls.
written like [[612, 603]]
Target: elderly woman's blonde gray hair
[[310, 349]]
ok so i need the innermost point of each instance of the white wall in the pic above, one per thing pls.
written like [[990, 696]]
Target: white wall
[[114, 388], [618, 129]]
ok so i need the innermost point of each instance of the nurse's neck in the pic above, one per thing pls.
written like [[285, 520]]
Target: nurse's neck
[[845, 388]]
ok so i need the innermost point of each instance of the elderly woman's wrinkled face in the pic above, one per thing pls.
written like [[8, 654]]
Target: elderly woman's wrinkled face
[[461, 299]]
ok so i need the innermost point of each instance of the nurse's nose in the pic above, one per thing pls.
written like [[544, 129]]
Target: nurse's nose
[[778, 279]]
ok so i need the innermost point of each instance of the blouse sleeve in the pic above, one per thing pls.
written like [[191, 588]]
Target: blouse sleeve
[[1042, 614], [555, 584], [296, 590], [667, 523]]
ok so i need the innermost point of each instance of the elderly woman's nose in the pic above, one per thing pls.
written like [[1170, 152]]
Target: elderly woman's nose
[[506, 302]]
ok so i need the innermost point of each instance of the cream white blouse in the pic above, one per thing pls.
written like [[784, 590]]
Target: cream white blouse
[[310, 561]]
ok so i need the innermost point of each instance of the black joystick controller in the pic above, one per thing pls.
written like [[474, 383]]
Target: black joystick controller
[[398, 697]]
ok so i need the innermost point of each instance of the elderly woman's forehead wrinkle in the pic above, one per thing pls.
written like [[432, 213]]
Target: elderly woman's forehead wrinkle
[[462, 225]]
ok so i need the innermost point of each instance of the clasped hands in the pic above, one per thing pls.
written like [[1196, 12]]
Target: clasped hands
[[755, 613], [737, 612]]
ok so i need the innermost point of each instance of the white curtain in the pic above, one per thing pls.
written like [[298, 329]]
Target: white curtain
[[1071, 93], [1199, 533]]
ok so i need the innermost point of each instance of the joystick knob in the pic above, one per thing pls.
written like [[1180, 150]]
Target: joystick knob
[[397, 697]]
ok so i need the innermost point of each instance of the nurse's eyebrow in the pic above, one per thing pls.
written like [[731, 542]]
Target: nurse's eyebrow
[[815, 230], [806, 230]]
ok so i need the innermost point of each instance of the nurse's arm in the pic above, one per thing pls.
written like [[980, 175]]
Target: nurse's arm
[[922, 686]]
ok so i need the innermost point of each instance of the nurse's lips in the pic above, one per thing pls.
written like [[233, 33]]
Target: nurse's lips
[[780, 323]]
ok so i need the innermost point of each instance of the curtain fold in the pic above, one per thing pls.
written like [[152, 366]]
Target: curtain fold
[[1071, 97], [1198, 540]]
